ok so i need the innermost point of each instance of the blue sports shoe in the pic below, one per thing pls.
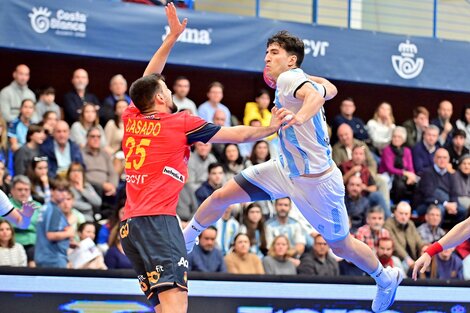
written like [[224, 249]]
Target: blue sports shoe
[[386, 295]]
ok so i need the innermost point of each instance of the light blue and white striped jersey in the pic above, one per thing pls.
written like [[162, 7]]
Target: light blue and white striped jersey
[[304, 149]]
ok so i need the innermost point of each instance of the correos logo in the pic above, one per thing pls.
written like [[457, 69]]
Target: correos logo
[[407, 65], [64, 23], [192, 35]]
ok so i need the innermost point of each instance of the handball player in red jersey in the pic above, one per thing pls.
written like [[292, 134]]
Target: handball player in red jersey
[[156, 145]]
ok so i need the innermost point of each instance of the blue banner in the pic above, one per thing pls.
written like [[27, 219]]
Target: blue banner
[[102, 28]]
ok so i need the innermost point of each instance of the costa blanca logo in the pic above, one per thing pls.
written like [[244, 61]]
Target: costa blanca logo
[[64, 23], [407, 65], [192, 35]]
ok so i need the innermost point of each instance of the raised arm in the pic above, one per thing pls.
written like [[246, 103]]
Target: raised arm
[[158, 61]]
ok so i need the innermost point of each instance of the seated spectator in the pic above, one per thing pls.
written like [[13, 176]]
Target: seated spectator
[[199, 163], [214, 95], [374, 229], [282, 224], [241, 260], [258, 110], [423, 152], [73, 216], [342, 150], [5, 152], [385, 254], [457, 147], [356, 204], [227, 228], [404, 235], [49, 121], [463, 250], [47, 103], [430, 231], [232, 161], [23, 157], [114, 129], [60, 150], [181, 88], [358, 166], [86, 200], [260, 152], [437, 187], [12, 95], [86, 254], [397, 163], [346, 116], [118, 88], [206, 257], [318, 262], [218, 148], [5, 179], [54, 232], [20, 193], [278, 260], [115, 257], [415, 127], [381, 126], [214, 181], [99, 168], [462, 182], [463, 123], [112, 222], [445, 265], [74, 100], [187, 204], [444, 114], [37, 172], [88, 119], [253, 226], [11, 253], [18, 128]]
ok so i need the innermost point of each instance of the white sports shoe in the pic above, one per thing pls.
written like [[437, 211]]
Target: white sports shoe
[[385, 296]]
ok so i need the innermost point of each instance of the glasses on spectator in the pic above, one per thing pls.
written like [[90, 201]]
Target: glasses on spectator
[[94, 136], [40, 158]]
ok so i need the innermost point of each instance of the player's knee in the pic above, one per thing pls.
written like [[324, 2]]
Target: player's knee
[[219, 197]]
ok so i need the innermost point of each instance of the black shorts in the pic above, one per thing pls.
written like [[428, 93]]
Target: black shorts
[[155, 246]]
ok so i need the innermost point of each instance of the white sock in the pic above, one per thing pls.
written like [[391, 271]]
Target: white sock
[[192, 230], [382, 277]]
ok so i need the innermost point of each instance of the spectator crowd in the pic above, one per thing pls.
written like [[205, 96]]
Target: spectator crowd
[[406, 185]]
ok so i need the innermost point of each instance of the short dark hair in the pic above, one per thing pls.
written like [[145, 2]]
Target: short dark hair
[[47, 91], [292, 44], [459, 132], [375, 209], [180, 78], [214, 165], [215, 84], [32, 129], [143, 91], [82, 226], [262, 92], [60, 184]]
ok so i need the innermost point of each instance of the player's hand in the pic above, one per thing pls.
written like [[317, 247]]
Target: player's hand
[[176, 27], [29, 208], [293, 119], [421, 265], [279, 116]]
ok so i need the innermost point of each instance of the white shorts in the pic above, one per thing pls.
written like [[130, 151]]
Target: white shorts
[[321, 200]]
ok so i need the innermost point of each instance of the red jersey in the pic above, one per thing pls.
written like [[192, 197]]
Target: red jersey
[[157, 152]]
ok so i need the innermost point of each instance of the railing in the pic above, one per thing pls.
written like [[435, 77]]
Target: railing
[[446, 19]]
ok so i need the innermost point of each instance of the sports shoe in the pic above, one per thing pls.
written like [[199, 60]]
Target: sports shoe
[[386, 295]]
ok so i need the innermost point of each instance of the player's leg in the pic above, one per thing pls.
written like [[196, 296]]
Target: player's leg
[[174, 300], [258, 182], [321, 200]]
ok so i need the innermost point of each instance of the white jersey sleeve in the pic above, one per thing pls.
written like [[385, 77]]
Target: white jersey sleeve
[[5, 204], [291, 81]]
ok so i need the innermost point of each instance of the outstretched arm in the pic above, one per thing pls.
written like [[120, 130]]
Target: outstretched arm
[[455, 236], [158, 61], [239, 134]]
